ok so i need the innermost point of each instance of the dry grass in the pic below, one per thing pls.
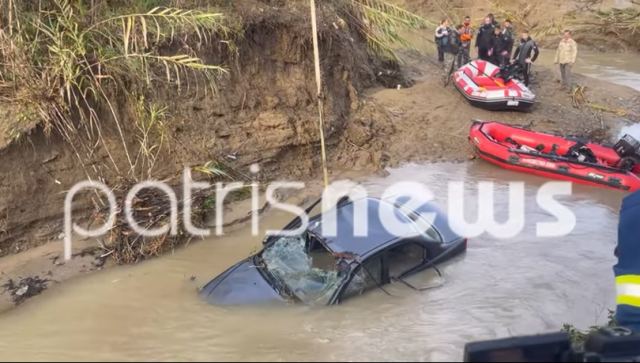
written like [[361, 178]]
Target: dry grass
[[614, 24], [151, 210], [63, 64], [71, 67]]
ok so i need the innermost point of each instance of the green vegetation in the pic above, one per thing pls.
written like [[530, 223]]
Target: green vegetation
[[151, 125], [578, 337], [97, 72], [67, 62], [382, 22]]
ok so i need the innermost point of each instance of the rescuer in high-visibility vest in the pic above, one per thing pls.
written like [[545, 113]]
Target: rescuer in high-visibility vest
[[627, 270]]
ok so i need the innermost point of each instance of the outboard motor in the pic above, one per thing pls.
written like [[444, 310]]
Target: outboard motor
[[509, 72], [628, 148]]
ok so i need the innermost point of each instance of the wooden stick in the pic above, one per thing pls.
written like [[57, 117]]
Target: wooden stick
[[316, 54]]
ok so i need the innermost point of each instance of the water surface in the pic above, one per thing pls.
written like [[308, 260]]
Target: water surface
[[499, 288]]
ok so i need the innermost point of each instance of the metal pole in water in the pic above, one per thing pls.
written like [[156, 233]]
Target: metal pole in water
[[316, 53]]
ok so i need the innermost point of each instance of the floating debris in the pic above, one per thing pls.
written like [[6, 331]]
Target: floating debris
[[26, 288]]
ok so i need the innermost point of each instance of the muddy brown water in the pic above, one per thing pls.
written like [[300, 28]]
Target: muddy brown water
[[499, 288]]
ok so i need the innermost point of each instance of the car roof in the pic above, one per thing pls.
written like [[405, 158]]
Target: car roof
[[440, 222], [345, 240]]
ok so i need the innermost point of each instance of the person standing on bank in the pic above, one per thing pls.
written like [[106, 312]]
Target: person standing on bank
[[497, 47], [526, 53], [508, 38], [466, 36], [451, 50], [566, 57], [483, 41], [501, 43], [442, 38]]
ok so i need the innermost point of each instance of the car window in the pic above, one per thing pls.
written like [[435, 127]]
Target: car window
[[313, 276], [405, 257], [368, 276], [423, 226]]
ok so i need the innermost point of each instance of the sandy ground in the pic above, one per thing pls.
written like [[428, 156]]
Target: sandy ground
[[426, 122], [431, 122]]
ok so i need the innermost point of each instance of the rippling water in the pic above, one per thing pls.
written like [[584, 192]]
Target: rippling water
[[499, 288]]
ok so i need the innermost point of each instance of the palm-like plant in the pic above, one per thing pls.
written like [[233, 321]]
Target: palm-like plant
[[64, 64], [382, 22]]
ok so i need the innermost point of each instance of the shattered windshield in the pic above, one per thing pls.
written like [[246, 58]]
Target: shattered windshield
[[309, 270]]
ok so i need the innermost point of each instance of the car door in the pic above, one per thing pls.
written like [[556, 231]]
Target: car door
[[368, 276], [380, 269], [405, 257]]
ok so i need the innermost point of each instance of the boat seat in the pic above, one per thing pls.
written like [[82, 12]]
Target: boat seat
[[488, 82]]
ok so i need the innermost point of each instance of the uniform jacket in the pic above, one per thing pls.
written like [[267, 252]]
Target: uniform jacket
[[485, 33], [527, 49], [627, 270]]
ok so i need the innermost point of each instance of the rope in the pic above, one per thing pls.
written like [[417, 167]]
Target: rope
[[316, 54]]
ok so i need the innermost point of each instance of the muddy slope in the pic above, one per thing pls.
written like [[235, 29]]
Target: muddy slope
[[263, 112]]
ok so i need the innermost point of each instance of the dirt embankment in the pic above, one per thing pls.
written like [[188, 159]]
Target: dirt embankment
[[603, 25], [264, 111]]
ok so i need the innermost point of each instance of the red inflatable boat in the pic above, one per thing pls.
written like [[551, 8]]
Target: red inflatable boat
[[556, 157], [481, 84]]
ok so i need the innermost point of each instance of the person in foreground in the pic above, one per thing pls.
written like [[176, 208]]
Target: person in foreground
[[526, 55], [627, 270], [566, 57]]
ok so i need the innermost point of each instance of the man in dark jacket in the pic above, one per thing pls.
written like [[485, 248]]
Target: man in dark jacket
[[509, 39], [525, 55], [498, 47], [483, 40], [627, 270]]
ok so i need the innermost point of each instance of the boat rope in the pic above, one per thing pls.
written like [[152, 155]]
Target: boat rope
[[320, 96]]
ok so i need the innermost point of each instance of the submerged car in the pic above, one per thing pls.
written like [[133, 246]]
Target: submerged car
[[318, 269]]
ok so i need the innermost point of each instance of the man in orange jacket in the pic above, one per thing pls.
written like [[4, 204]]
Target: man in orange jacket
[[466, 36]]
